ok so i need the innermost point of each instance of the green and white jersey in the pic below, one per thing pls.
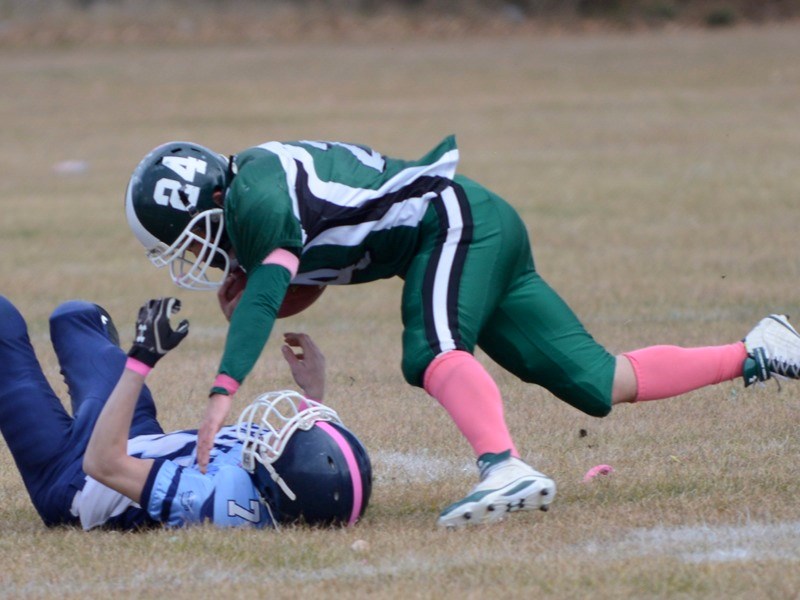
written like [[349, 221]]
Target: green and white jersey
[[350, 213]]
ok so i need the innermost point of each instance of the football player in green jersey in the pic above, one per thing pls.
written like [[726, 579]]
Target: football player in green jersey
[[271, 226]]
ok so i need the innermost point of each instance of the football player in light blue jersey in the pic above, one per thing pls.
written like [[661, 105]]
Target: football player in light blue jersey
[[274, 466]]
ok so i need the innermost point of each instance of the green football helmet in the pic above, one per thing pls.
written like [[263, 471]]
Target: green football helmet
[[170, 208]]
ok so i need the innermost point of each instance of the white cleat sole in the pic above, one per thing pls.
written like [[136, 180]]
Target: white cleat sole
[[489, 506]]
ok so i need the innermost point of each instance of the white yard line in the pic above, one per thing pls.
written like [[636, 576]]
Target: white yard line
[[706, 543]]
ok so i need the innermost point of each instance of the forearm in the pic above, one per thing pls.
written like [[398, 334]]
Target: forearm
[[252, 321], [106, 458]]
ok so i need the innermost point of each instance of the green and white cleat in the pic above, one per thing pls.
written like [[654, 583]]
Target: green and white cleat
[[773, 348], [507, 485]]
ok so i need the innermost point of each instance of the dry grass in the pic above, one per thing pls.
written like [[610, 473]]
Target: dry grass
[[659, 178]]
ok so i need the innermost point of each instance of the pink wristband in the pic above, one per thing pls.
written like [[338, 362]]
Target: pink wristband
[[137, 367], [226, 382]]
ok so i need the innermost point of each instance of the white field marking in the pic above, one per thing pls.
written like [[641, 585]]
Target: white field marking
[[419, 467], [698, 544], [706, 543], [703, 544]]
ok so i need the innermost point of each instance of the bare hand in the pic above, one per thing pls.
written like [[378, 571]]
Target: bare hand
[[217, 411], [230, 292], [307, 364]]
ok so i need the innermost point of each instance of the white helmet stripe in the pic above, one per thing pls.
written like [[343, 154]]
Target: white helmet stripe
[[148, 240]]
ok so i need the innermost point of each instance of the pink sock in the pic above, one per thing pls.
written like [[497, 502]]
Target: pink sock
[[469, 394], [667, 371]]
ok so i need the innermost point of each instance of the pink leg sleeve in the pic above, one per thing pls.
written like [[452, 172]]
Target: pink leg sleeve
[[667, 371], [470, 396]]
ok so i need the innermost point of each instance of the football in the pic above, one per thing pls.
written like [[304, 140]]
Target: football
[[237, 285], [298, 298]]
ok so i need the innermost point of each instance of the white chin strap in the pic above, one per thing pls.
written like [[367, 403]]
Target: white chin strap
[[194, 271]]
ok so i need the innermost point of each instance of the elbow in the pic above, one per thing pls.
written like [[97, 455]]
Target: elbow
[[97, 467], [91, 466]]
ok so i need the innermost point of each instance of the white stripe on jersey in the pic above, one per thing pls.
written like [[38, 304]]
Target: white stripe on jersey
[[179, 446], [373, 160], [441, 281], [407, 213], [290, 168], [345, 195], [97, 503]]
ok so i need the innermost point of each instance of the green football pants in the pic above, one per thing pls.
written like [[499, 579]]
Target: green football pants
[[473, 282]]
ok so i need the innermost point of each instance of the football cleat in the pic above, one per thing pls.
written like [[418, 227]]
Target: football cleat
[[773, 348], [507, 485]]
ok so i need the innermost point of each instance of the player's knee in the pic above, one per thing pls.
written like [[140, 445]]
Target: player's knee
[[584, 384], [11, 322], [595, 408], [7, 309], [589, 392], [72, 308], [413, 368], [587, 399]]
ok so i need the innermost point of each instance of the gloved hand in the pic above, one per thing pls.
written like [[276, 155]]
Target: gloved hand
[[154, 334]]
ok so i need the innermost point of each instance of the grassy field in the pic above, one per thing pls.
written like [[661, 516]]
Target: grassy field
[[659, 176]]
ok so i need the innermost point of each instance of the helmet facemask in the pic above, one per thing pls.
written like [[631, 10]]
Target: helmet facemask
[[266, 426], [198, 248]]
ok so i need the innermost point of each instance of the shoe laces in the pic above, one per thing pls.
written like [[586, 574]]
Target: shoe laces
[[769, 368], [784, 367]]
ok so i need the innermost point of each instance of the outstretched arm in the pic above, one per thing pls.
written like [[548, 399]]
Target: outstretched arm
[[251, 325], [268, 241], [106, 458]]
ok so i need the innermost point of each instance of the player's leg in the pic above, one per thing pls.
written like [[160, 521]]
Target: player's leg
[[454, 281], [665, 371], [34, 423], [450, 285], [536, 336], [87, 346], [771, 349]]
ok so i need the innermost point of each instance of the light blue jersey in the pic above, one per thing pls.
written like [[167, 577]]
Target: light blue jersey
[[178, 494], [181, 446]]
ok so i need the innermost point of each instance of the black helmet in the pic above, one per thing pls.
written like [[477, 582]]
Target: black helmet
[[307, 466]]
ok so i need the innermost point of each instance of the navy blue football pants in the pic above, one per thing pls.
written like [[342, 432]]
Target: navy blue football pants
[[46, 442]]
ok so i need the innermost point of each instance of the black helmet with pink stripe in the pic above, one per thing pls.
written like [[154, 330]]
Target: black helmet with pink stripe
[[306, 465]]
